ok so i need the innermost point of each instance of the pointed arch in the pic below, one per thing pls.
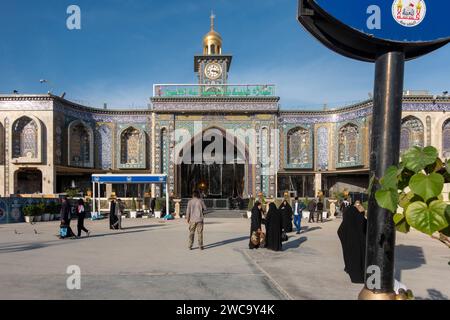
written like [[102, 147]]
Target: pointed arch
[[412, 133], [81, 144], [26, 142], [298, 145], [348, 144], [132, 145], [446, 138]]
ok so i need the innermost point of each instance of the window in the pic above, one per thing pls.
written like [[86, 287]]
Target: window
[[25, 138], [298, 144], [412, 133], [130, 146], [446, 139], [348, 144], [80, 141]]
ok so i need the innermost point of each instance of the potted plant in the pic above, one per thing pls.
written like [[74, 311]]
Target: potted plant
[[133, 212], [251, 203], [38, 211], [46, 211], [28, 213], [158, 208], [51, 210]]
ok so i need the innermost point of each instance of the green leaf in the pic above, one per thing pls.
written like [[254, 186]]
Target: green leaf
[[416, 159], [427, 219], [389, 180], [436, 166], [446, 231], [447, 166], [387, 199], [427, 186], [405, 199], [401, 224]]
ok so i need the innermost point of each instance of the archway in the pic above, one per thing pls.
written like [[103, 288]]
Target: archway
[[28, 181], [214, 163]]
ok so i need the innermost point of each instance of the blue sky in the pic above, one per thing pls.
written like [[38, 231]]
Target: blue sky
[[126, 46]]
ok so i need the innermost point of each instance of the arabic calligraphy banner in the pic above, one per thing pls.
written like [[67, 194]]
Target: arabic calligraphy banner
[[167, 91]]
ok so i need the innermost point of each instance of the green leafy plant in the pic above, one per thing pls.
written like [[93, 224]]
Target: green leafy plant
[[28, 210], [133, 205], [158, 204], [72, 192], [40, 209], [412, 191]]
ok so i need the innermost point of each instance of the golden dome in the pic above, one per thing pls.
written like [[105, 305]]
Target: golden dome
[[212, 41]]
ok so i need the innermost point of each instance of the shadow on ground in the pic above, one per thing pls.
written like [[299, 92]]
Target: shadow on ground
[[294, 244], [434, 294], [225, 242], [309, 229], [408, 258]]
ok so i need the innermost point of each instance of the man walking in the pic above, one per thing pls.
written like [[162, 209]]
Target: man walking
[[194, 217], [298, 214], [320, 211], [312, 210]]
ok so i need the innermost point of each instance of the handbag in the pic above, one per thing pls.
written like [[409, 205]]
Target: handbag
[[255, 238], [63, 231], [284, 236], [262, 239]]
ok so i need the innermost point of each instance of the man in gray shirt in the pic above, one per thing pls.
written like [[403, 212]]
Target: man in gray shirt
[[194, 217]]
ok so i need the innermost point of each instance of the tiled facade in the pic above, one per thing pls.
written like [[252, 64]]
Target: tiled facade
[[332, 142]]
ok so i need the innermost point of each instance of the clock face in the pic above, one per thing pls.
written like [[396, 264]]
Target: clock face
[[213, 70]]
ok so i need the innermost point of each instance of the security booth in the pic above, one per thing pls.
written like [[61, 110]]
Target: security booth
[[103, 179]]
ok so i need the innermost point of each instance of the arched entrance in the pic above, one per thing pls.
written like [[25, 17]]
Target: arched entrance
[[215, 164], [28, 181]]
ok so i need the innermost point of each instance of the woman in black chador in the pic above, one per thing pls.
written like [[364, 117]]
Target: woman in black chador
[[273, 228], [352, 234], [113, 217], [256, 224], [286, 216]]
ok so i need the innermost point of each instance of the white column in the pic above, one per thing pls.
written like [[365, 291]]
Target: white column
[[93, 199], [317, 184], [167, 196]]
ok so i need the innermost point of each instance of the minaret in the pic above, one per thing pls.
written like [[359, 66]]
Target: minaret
[[212, 66]]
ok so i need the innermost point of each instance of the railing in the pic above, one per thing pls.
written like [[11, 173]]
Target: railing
[[219, 90]]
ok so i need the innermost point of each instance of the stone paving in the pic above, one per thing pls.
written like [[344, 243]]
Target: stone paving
[[149, 260]]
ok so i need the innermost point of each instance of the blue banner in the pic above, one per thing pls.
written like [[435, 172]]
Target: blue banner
[[393, 20]]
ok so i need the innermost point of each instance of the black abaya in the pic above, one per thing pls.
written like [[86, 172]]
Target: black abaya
[[286, 216], [112, 216], [352, 234], [273, 228], [255, 225]]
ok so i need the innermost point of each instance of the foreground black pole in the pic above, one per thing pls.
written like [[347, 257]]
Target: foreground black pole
[[386, 129]]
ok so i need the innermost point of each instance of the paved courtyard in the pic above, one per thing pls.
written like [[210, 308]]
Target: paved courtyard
[[149, 260]]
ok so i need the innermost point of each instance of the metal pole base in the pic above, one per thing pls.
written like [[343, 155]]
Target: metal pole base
[[367, 294]]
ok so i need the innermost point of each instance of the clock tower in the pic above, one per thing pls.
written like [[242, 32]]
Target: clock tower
[[212, 66]]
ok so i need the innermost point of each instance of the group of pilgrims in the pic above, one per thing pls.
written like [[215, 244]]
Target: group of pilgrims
[[278, 223]]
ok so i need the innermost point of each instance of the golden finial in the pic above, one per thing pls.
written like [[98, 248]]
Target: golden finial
[[212, 20]]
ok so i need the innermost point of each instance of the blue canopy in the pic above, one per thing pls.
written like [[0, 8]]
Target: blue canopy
[[131, 178]]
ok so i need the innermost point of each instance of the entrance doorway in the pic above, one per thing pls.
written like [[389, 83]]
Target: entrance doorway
[[221, 179]]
